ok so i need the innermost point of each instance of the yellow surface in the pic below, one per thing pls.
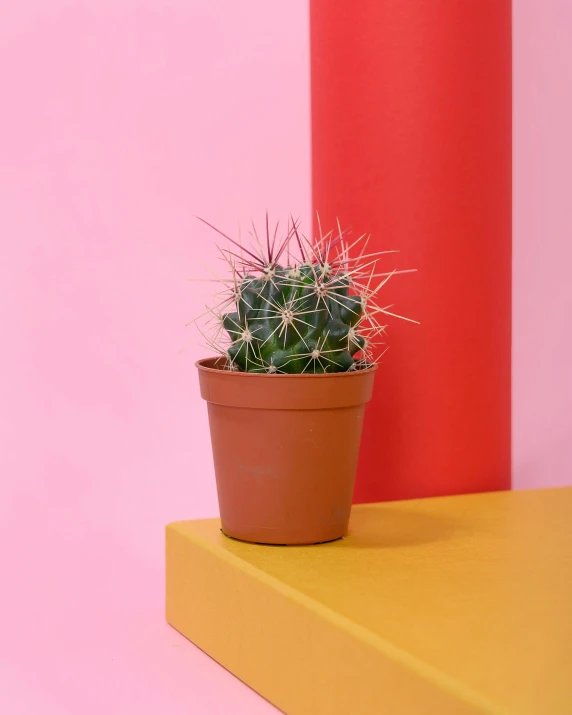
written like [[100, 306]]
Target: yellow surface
[[451, 605]]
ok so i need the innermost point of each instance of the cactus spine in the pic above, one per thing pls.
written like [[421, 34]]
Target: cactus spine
[[315, 312]]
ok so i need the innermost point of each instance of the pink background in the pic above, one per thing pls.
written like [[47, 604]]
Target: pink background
[[542, 244], [120, 120]]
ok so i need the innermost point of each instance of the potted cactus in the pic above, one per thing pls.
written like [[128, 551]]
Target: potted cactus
[[296, 336]]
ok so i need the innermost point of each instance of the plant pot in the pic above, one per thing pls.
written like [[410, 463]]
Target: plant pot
[[285, 451]]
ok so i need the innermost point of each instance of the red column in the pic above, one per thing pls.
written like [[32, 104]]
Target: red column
[[411, 134]]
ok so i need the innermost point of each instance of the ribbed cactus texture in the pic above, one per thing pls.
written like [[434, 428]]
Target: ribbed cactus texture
[[315, 312], [294, 320]]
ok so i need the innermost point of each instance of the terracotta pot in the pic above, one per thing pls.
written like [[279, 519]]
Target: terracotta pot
[[285, 451]]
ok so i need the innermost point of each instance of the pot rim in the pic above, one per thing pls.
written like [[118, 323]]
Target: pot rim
[[200, 365]]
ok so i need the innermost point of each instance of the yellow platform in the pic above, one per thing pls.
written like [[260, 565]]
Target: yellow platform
[[439, 606]]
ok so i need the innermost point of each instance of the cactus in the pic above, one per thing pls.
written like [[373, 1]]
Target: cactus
[[314, 312]]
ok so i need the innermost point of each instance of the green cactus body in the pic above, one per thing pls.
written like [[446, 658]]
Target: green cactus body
[[294, 320], [295, 305]]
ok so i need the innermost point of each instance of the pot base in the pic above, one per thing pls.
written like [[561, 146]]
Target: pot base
[[282, 543], [297, 533]]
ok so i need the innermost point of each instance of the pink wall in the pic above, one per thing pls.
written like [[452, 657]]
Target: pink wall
[[120, 120], [542, 248]]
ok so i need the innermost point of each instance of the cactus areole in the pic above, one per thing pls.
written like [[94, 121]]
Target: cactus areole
[[297, 334]]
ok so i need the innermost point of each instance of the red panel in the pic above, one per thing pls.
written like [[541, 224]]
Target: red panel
[[411, 127]]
